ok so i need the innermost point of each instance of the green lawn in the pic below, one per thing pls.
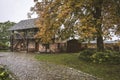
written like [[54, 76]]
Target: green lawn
[[105, 71]]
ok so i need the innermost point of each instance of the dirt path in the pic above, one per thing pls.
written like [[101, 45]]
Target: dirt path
[[25, 67]]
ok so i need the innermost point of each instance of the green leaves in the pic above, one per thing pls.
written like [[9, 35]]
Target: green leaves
[[4, 33], [4, 74], [107, 56]]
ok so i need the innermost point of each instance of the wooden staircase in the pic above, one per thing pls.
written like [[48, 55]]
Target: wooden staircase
[[20, 44]]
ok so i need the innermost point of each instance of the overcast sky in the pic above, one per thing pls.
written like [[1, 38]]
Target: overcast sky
[[14, 10]]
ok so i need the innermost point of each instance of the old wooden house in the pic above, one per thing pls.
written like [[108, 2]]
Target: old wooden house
[[22, 39]]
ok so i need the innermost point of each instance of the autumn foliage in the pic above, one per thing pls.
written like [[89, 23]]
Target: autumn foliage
[[84, 19]]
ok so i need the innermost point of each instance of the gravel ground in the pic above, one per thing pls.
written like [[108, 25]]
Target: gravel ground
[[25, 67]]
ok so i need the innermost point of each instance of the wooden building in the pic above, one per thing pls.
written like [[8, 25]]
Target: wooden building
[[22, 39], [108, 45]]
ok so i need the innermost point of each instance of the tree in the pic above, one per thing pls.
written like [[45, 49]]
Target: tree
[[86, 18], [4, 33]]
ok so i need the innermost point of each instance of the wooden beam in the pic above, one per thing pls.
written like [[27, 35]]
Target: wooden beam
[[11, 41], [27, 45], [36, 45], [27, 40]]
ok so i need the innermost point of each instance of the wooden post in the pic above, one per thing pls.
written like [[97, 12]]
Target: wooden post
[[37, 46], [27, 45], [11, 41], [36, 41], [27, 41]]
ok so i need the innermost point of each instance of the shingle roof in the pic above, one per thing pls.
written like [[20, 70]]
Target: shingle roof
[[24, 24]]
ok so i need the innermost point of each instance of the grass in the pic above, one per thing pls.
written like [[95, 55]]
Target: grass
[[105, 71]]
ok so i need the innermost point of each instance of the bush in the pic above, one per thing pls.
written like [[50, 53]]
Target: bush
[[4, 75], [85, 55], [101, 57], [3, 46]]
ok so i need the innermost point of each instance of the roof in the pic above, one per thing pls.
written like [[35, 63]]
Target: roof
[[24, 24], [106, 42]]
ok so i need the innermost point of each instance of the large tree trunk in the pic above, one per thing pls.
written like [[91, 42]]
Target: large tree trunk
[[97, 16], [100, 44]]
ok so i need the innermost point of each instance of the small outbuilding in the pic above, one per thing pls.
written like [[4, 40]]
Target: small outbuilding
[[73, 46]]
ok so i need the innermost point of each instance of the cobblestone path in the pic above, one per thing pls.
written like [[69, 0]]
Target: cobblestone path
[[25, 67]]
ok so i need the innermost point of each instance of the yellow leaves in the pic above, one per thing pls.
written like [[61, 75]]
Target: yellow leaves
[[77, 16], [46, 31], [86, 31], [98, 21], [63, 13], [53, 16], [47, 36], [78, 5]]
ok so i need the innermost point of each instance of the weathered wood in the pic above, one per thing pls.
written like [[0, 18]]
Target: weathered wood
[[11, 40], [25, 40], [37, 46], [27, 45], [73, 46]]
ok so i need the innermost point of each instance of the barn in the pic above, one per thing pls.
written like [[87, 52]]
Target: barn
[[22, 39]]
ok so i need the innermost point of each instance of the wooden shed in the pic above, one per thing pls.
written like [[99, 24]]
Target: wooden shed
[[73, 46]]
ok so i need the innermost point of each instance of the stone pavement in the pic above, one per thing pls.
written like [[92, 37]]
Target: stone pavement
[[26, 67]]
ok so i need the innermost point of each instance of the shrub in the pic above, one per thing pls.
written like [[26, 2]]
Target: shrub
[[3, 46], [85, 55], [4, 75], [101, 57]]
